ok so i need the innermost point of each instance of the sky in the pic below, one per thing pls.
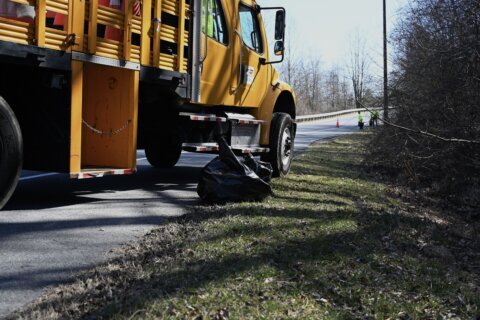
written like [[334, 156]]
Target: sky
[[324, 28]]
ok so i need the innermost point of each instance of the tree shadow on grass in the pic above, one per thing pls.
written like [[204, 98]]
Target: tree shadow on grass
[[312, 201], [351, 260], [334, 263]]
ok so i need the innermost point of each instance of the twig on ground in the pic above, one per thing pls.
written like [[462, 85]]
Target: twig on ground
[[136, 313]]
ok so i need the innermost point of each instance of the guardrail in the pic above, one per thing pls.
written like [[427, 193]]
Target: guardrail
[[321, 116]]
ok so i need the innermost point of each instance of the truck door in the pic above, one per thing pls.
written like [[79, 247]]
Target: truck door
[[254, 76], [219, 71], [233, 73]]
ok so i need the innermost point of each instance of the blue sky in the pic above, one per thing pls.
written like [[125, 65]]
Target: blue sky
[[324, 27]]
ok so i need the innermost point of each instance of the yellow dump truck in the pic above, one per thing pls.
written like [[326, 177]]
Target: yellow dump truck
[[85, 83]]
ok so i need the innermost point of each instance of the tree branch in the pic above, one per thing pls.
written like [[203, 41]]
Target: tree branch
[[424, 133]]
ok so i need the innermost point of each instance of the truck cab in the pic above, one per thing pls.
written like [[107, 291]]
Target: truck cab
[[84, 84]]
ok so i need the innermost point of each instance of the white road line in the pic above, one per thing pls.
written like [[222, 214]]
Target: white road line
[[38, 176], [52, 174]]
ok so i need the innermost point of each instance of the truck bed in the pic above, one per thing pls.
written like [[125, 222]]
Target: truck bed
[[82, 63], [150, 33]]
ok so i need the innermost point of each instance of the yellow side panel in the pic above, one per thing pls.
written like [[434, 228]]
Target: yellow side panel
[[76, 117], [110, 100], [133, 130], [145, 44], [77, 23], [40, 16], [16, 31], [181, 35]]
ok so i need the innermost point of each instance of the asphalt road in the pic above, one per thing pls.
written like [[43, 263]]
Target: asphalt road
[[54, 227]]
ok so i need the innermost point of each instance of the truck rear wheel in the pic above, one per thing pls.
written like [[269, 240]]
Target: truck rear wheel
[[163, 156], [11, 152], [281, 143]]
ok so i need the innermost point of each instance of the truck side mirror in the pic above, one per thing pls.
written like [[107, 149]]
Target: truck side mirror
[[279, 48], [280, 25]]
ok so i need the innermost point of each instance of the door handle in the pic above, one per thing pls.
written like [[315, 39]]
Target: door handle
[[239, 82], [207, 11]]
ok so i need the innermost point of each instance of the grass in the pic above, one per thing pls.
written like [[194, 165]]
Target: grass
[[336, 241]]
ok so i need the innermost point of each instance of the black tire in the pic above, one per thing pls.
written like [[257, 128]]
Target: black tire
[[11, 152], [282, 136], [163, 156]]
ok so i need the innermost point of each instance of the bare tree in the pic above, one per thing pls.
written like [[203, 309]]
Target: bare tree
[[314, 84], [332, 85], [347, 99], [317, 90], [358, 66], [436, 91], [289, 65]]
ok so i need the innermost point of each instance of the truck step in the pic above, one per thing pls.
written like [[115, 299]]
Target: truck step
[[203, 117], [243, 118], [100, 173], [241, 121], [234, 117], [213, 148]]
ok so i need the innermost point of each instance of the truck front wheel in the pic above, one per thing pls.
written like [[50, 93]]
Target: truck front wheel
[[282, 135], [11, 152]]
